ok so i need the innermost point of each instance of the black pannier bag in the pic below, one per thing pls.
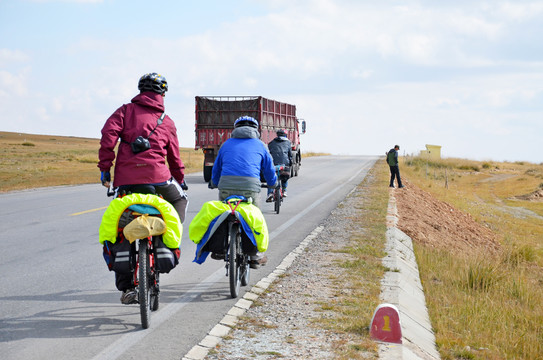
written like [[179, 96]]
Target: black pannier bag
[[165, 258], [216, 242], [285, 173], [121, 257], [247, 246]]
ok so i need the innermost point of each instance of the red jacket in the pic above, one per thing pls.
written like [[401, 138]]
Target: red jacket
[[147, 167]]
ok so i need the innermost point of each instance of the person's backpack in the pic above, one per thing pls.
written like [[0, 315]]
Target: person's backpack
[[391, 157]]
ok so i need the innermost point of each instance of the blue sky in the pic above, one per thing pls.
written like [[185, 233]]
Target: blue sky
[[365, 75]]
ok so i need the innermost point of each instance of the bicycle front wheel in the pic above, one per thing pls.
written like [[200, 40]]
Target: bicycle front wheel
[[144, 295], [234, 248]]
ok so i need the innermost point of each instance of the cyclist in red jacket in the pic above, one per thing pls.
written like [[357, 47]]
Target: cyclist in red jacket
[[148, 139]]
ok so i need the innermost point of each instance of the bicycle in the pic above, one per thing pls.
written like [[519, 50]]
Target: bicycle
[[280, 171], [146, 275], [142, 257], [237, 261]]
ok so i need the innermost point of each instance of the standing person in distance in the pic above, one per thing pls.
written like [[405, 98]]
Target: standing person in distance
[[238, 165], [392, 160], [281, 152], [148, 139]]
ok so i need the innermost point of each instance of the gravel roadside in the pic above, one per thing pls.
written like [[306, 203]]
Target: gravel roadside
[[281, 324]]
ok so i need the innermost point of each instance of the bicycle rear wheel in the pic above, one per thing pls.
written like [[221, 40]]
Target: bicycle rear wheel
[[277, 199], [144, 271], [234, 247]]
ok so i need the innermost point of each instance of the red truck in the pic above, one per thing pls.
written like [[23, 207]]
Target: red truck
[[215, 116]]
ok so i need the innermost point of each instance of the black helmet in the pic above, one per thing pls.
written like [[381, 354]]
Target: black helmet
[[281, 133], [246, 121], [153, 82]]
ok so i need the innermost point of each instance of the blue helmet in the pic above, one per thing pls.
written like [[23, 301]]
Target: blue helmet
[[246, 121]]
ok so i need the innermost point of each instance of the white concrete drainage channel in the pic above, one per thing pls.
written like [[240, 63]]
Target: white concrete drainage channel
[[402, 288]]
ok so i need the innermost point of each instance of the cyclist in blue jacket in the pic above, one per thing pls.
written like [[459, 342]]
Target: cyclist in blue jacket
[[239, 163]]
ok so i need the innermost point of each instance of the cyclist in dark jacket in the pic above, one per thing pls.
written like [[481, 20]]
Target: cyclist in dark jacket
[[392, 160], [281, 152]]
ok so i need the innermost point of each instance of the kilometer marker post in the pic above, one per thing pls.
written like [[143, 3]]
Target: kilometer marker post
[[385, 324]]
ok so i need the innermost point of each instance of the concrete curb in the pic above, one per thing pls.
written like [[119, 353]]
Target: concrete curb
[[217, 333], [402, 287]]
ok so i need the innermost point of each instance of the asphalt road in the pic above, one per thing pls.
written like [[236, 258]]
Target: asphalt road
[[59, 301]]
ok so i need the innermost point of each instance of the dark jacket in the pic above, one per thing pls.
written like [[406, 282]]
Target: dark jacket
[[281, 151], [147, 167], [392, 157], [240, 161]]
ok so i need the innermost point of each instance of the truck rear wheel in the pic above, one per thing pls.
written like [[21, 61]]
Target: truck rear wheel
[[207, 173]]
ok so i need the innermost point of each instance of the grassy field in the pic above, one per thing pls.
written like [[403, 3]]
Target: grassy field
[[31, 161], [483, 306]]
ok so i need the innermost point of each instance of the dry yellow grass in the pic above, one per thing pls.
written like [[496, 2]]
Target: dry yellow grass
[[31, 161], [485, 307]]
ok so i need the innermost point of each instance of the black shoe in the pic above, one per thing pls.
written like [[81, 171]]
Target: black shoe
[[401, 186], [217, 256], [392, 186]]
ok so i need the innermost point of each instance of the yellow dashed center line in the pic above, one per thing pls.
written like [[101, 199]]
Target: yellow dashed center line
[[88, 211]]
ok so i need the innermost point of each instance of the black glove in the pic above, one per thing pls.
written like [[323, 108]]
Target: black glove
[[184, 185], [105, 177]]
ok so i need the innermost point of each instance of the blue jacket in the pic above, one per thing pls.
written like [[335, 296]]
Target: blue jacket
[[240, 161]]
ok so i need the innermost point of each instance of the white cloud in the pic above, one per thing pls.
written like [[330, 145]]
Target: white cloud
[[14, 84], [365, 75], [8, 57], [362, 74], [521, 11]]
